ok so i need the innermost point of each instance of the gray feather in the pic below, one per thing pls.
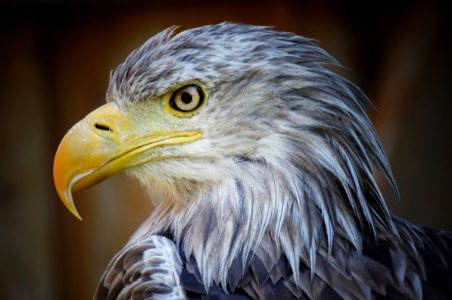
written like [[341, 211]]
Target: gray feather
[[282, 197]]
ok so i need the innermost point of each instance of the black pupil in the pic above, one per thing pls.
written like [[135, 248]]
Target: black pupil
[[186, 97]]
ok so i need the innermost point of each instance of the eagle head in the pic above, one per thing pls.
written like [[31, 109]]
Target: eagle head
[[242, 137]]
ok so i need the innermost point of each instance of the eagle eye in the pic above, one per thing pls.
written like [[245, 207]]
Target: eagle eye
[[187, 98]]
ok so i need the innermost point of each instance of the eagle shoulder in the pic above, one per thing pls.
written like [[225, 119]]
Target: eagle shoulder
[[145, 269]]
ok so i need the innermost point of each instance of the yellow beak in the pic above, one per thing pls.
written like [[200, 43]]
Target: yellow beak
[[102, 144]]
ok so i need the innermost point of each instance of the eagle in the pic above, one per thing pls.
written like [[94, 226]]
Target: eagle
[[261, 163]]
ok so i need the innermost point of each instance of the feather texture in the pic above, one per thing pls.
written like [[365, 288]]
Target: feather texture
[[150, 269], [279, 198]]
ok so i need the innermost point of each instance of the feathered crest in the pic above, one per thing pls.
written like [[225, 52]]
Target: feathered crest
[[123, 81]]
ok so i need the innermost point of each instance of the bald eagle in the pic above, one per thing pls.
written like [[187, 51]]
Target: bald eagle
[[261, 164]]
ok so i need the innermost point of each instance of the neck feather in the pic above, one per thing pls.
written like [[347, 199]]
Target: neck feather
[[263, 210]]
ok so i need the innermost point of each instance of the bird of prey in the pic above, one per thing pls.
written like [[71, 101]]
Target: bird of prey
[[261, 164]]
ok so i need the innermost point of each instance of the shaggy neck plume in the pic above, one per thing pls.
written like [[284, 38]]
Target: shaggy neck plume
[[263, 211]]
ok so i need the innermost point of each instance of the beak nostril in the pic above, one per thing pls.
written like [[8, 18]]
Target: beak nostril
[[103, 127]]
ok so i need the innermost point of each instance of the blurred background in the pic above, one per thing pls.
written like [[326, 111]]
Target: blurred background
[[55, 59]]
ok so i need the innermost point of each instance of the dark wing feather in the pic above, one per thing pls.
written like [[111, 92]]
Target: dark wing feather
[[418, 265], [414, 266], [437, 256]]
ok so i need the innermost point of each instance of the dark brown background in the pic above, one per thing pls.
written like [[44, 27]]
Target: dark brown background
[[55, 59]]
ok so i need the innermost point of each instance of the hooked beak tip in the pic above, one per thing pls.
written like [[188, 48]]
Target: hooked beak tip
[[69, 203]]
